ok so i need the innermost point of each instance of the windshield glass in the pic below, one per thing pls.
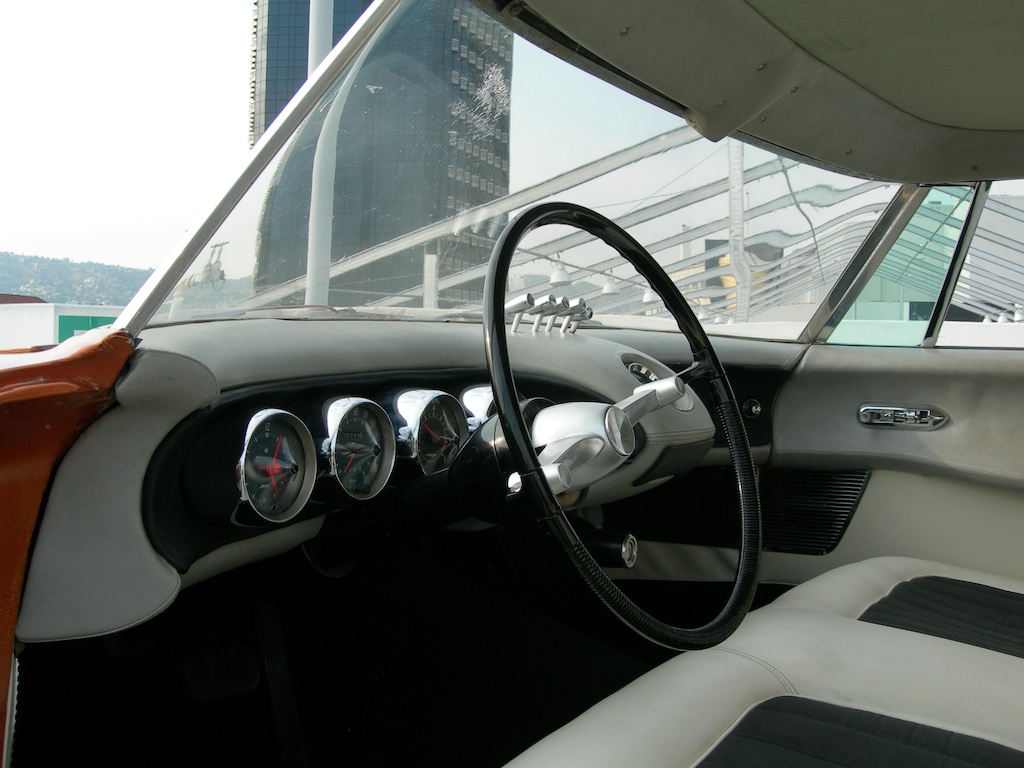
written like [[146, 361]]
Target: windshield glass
[[388, 198]]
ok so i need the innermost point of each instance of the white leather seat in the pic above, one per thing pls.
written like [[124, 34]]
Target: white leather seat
[[809, 644], [851, 589]]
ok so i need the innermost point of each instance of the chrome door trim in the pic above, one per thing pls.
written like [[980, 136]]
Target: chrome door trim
[[963, 245], [869, 256]]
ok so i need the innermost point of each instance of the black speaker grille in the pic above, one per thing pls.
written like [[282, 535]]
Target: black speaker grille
[[808, 512]]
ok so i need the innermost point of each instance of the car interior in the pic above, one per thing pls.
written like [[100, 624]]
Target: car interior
[[679, 430]]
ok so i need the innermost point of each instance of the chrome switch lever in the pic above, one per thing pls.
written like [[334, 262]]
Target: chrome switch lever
[[917, 417]]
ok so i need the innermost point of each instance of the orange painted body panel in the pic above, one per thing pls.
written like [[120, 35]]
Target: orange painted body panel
[[43, 408]]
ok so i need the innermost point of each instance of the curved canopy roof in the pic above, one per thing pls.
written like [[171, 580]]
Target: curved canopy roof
[[917, 91]]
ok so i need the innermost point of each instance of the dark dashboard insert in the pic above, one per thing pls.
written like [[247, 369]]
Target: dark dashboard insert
[[750, 385], [190, 497]]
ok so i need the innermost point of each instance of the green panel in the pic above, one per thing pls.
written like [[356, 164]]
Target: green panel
[[69, 325]]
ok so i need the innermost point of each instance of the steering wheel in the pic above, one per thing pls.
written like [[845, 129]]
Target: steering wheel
[[538, 483]]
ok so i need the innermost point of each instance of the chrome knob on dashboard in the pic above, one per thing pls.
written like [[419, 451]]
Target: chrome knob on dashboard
[[610, 549]]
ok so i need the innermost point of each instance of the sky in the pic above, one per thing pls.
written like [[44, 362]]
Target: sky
[[121, 123]]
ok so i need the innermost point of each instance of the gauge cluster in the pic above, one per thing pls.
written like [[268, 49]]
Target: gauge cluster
[[288, 458], [355, 450]]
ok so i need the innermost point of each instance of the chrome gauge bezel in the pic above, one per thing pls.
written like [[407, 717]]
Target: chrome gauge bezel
[[303, 454], [420, 436], [337, 412], [478, 403]]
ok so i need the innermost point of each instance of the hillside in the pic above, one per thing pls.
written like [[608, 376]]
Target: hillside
[[61, 281]]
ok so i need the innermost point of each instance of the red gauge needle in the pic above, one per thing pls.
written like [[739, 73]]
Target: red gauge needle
[[433, 434], [273, 468], [348, 464]]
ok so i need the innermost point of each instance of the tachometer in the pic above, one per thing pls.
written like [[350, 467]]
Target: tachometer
[[435, 427], [479, 401], [361, 446], [278, 465]]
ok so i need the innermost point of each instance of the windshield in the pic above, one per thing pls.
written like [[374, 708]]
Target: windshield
[[389, 196]]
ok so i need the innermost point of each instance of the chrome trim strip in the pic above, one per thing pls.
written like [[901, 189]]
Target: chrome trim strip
[[945, 297], [864, 263], [902, 416], [12, 711]]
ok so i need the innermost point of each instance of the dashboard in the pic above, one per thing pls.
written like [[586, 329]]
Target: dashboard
[[232, 441]]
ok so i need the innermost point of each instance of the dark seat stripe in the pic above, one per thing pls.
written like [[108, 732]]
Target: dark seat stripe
[[969, 613], [801, 733]]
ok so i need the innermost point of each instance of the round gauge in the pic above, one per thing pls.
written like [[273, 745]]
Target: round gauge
[[437, 427], [478, 402], [278, 465], [529, 406], [361, 446]]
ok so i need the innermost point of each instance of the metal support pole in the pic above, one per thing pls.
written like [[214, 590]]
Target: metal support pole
[[737, 251], [321, 32]]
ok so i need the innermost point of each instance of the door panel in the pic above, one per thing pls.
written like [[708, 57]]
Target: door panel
[[954, 494], [817, 424]]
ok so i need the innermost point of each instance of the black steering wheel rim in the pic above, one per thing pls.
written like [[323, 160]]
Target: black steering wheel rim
[[706, 366]]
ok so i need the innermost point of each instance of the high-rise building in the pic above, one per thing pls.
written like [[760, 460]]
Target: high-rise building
[[421, 137], [280, 50]]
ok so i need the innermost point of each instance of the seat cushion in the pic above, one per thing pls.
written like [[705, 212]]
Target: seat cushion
[[850, 590], [792, 732], [808, 644], [963, 611]]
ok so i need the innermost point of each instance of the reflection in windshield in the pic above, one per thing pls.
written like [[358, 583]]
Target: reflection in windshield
[[413, 136], [393, 190]]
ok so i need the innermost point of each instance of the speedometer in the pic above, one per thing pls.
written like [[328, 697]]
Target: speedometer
[[435, 427], [361, 446], [278, 465]]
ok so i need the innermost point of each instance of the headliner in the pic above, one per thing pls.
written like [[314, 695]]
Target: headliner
[[918, 91]]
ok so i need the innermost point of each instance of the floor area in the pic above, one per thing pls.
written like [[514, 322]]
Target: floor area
[[454, 649]]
